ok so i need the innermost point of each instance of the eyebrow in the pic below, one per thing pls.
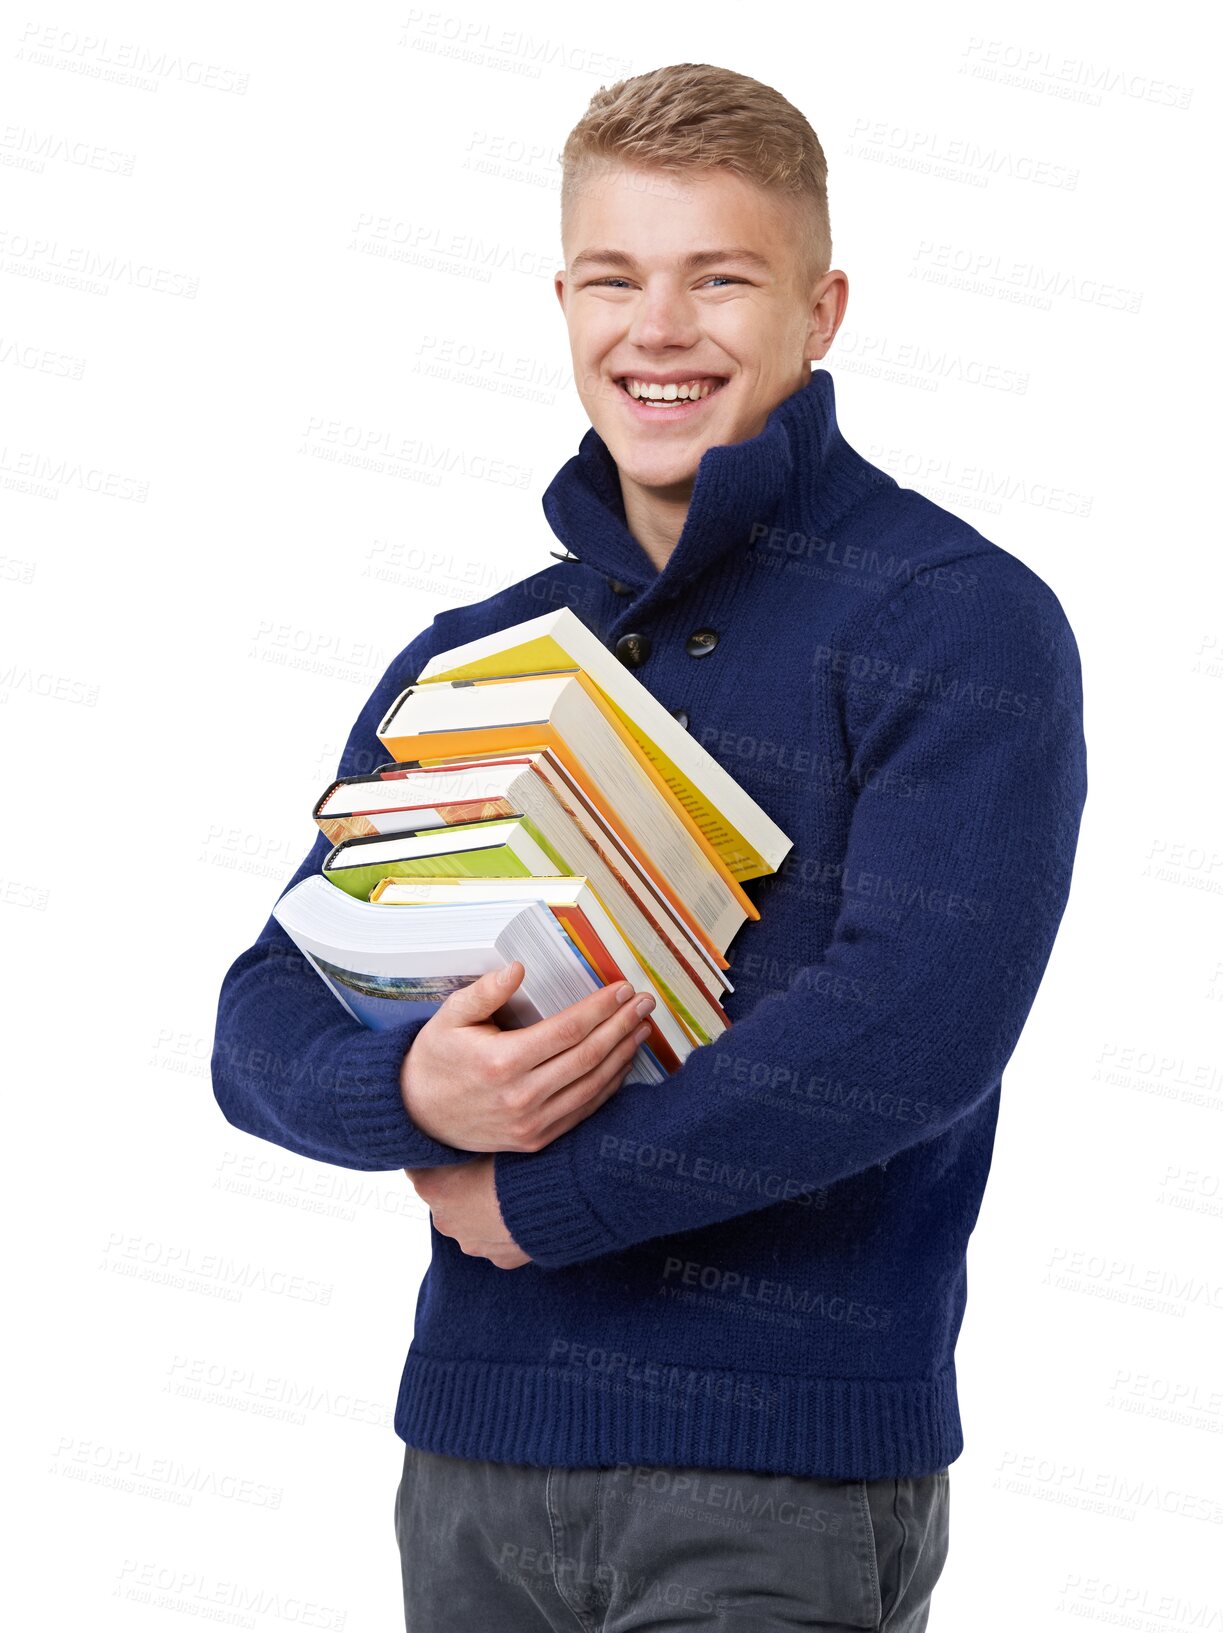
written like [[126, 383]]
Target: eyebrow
[[690, 263]]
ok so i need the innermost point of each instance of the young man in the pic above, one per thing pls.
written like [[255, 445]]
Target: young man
[[687, 1352]]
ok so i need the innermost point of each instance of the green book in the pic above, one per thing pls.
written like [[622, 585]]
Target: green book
[[499, 847]]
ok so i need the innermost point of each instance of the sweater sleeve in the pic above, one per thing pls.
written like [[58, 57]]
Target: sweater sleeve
[[949, 908], [289, 1064]]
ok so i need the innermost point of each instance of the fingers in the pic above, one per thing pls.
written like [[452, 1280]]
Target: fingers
[[575, 1102], [478, 1000], [587, 1054], [530, 1046]]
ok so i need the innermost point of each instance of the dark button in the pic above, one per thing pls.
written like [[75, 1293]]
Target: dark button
[[682, 716], [700, 642], [620, 587], [568, 556], [633, 650]]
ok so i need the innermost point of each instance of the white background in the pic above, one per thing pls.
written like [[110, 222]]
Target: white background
[[247, 252]]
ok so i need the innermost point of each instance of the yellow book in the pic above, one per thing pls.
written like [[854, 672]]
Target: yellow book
[[748, 841]]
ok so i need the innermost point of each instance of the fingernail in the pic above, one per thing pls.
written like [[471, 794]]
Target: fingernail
[[504, 977], [645, 1005], [624, 993]]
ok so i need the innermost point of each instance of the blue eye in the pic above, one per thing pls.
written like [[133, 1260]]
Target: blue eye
[[720, 277]]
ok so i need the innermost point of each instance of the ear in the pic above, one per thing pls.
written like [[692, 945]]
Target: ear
[[828, 302], [558, 283]]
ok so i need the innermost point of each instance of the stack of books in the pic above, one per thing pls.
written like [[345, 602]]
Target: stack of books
[[540, 804]]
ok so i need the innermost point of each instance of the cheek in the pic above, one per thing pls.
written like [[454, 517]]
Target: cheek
[[740, 330], [593, 385], [597, 320]]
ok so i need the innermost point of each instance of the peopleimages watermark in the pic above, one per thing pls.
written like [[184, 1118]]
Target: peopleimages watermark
[[776, 1295], [887, 566], [927, 683], [837, 1094], [714, 1171], [191, 1591], [677, 1381], [1077, 79]]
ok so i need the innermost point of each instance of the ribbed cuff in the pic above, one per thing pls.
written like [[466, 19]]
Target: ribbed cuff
[[543, 1209], [369, 1102]]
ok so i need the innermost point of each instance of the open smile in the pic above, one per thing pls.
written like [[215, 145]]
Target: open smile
[[668, 400]]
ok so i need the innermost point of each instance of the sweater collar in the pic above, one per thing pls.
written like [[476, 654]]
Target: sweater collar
[[737, 484]]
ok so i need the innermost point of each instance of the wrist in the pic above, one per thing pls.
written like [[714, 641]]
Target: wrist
[[409, 1090]]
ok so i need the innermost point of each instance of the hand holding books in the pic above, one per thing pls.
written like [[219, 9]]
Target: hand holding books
[[543, 809], [469, 1084]]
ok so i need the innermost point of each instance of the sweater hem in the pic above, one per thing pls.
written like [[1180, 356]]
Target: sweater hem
[[668, 1415]]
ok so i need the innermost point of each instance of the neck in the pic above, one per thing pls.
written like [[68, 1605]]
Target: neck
[[655, 516], [656, 541]]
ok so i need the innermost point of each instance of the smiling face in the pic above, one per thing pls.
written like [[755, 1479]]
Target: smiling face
[[687, 314]]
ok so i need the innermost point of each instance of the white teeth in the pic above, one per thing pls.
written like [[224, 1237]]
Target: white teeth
[[688, 391]]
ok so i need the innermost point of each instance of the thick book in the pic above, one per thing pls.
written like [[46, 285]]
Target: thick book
[[582, 917], [387, 966], [744, 835]]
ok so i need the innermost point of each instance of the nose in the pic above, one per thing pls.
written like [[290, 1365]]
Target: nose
[[664, 315]]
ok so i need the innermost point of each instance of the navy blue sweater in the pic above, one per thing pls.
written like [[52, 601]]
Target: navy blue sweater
[[759, 1264]]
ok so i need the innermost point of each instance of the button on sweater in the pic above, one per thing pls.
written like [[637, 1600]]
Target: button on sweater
[[759, 1263]]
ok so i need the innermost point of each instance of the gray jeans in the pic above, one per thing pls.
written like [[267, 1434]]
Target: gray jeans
[[513, 1548]]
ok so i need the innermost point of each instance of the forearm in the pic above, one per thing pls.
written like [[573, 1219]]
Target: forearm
[[289, 1065], [814, 1085]]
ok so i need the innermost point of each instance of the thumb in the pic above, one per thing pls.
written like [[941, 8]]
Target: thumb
[[478, 1000]]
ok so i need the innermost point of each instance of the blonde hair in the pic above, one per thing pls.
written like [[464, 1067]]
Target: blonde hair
[[691, 117]]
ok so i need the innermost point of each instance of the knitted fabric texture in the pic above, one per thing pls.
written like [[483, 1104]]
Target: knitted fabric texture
[[760, 1263]]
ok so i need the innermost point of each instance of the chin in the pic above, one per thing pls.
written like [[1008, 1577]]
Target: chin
[[667, 471]]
